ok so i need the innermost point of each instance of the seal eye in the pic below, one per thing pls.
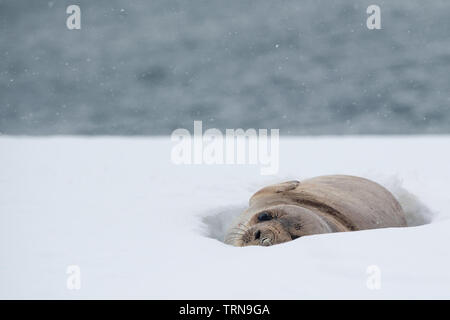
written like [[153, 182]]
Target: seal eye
[[264, 216]]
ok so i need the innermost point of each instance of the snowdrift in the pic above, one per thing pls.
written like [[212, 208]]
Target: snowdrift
[[139, 226]]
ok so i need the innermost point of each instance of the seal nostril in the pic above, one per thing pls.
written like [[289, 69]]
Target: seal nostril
[[257, 235], [266, 242]]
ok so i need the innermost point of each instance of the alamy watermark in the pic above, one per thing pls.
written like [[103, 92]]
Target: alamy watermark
[[73, 21], [236, 146], [73, 281], [373, 281], [374, 20]]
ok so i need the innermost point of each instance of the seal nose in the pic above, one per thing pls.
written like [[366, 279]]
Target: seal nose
[[264, 237], [266, 242]]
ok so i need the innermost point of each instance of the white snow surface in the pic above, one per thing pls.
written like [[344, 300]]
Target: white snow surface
[[141, 227]]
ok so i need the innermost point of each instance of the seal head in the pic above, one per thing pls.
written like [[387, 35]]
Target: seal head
[[276, 225]]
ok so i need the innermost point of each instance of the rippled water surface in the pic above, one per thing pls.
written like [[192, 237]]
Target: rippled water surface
[[149, 67]]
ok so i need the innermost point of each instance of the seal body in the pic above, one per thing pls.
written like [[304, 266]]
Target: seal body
[[335, 203]]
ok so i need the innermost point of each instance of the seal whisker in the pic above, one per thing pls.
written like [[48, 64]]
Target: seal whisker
[[237, 231], [235, 235], [241, 227], [234, 231]]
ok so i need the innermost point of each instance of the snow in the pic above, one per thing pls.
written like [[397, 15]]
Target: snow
[[139, 226]]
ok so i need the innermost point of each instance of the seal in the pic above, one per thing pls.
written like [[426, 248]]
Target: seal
[[334, 203]]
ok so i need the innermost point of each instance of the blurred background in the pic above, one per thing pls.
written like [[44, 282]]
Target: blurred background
[[144, 67]]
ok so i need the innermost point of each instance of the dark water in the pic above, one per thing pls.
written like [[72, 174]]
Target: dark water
[[149, 67]]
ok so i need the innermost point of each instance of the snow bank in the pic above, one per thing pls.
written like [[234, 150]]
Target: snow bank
[[140, 227]]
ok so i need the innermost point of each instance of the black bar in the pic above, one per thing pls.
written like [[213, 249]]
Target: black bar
[[223, 309]]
